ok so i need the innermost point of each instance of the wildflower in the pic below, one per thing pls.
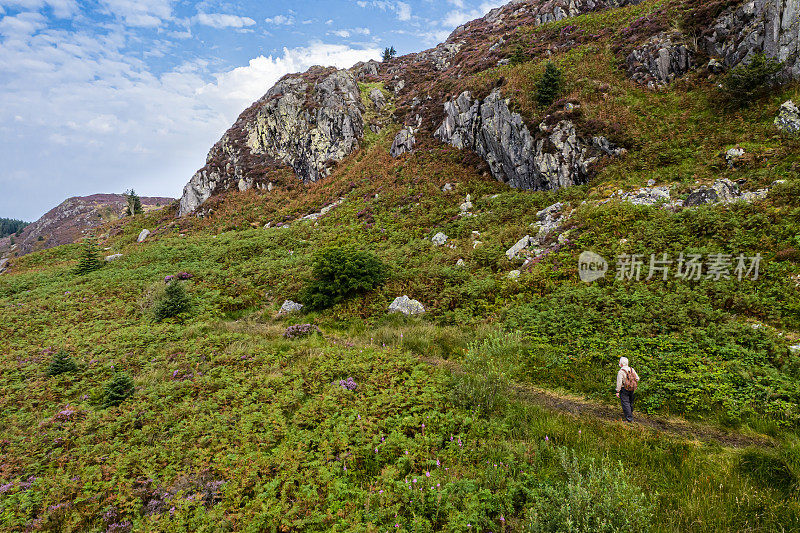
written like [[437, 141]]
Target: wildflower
[[415, 480], [546, 438], [376, 450], [427, 474], [438, 463]]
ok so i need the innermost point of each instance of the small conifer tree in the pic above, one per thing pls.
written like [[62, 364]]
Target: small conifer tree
[[89, 260], [518, 56], [389, 53], [134, 203], [549, 85], [173, 302], [751, 80], [61, 364], [117, 390]]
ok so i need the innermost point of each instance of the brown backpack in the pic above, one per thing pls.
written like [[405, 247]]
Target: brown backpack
[[631, 381]]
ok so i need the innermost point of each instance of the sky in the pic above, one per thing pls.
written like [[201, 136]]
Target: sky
[[105, 95]]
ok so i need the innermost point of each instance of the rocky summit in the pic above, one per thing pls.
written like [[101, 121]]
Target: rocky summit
[[309, 122]]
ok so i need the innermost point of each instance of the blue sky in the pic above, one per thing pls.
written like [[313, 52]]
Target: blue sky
[[105, 95]]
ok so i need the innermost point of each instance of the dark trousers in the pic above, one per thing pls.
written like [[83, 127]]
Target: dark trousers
[[626, 399]]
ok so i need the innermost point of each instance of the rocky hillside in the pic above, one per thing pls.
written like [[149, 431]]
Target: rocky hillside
[[455, 93], [71, 220]]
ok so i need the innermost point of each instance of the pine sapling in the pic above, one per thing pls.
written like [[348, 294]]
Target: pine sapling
[[61, 364], [117, 390], [89, 260], [549, 85], [173, 302]]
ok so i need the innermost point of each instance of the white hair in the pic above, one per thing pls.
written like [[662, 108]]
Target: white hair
[[623, 361]]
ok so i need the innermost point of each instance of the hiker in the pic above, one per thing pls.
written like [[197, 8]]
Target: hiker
[[627, 381]]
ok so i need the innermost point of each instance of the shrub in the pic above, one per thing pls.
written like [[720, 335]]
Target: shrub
[[549, 85], [300, 330], [339, 273], [117, 390], [389, 53], [598, 499], [751, 80], [89, 260], [485, 374], [61, 364], [172, 302]]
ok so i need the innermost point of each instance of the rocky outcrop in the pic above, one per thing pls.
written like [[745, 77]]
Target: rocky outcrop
[[378, 99], [558, 157], [290, 307], [660, 60], [441, 56], [788, 119], [768, 26], [306, 122], [404, 142], [439, 239]]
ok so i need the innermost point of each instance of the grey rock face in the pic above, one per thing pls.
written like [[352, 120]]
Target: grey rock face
[[289, 307], [442, 56], [659, 61], [3, 264], [114, 257], [305, 122], [143, 235], [788, 119], [407, 306], [723, 191], [768, 26], [366, 70], [403, 142], [550, 221], [558, 158], [733, 155]]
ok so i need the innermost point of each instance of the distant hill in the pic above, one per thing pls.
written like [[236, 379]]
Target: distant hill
[[71, 220], [9, 226]]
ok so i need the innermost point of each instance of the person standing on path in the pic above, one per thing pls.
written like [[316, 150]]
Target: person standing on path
[[627, 381]]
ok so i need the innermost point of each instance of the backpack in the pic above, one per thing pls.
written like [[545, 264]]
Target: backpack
[[630, 382]]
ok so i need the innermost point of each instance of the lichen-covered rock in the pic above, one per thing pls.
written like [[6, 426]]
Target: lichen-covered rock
[[768, 26], [407, 306], [514, 251], [378, 99], [558, 157], [722, 191], [442, 55], [306, 122], [290, 307], [660, 60], [788, 119], [114, 257], [439, 239], [143, 235], [366, 70], [404, 142]]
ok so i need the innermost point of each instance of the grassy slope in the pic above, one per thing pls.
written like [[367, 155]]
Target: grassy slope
[[222, 396]]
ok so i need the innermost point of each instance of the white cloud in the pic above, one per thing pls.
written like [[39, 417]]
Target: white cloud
[[22, 25], [60, 8], [458, 17], [344, 34], [280, 20], [219, 20], [349, 32], [401, 9], [139, 13]]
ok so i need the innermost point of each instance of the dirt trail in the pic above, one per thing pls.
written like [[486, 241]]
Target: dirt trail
[[577, 407]]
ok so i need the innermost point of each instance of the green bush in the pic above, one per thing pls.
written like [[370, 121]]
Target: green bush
[[518, 56], [61, 364], [751, 80], [117, 390], [339, 273], [485, 374], [598, 498], [90, 259], [172, 302], [549, 85]]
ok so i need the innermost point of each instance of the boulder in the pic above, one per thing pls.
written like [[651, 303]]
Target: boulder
[[289, 307], [114, 257], [403, 142], [788, 119], [467, 205], [557, 157], [439, 239], [377, 98], [407, 306], [723, 191], [305, 122], [447, 187], [733, 155], [514, 275], [143, 235], [514, 251], [460, 263]]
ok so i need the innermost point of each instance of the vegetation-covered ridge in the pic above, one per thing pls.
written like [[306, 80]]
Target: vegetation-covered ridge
[[163, 391]]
